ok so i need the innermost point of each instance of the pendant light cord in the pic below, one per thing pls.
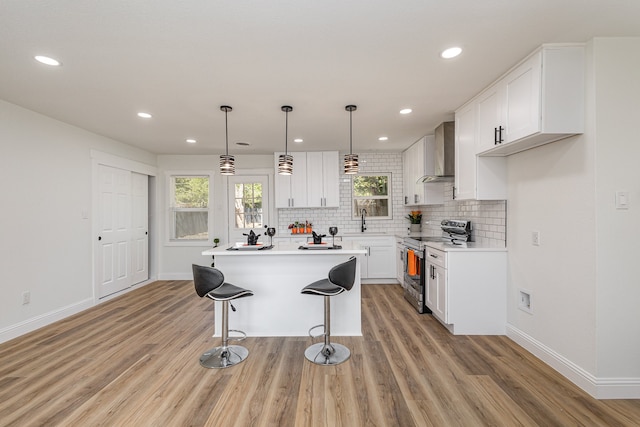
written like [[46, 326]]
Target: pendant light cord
[[286, 131], [226, 132], [350, 132]]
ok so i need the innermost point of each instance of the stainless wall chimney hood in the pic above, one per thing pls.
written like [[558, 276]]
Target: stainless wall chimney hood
[[441, 163]]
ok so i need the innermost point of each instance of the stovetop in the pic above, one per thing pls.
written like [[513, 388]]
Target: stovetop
[[454, 232]]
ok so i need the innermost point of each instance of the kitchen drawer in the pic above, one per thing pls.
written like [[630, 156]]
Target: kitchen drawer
[[436, 257]]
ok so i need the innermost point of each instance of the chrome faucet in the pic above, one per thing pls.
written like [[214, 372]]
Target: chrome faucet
[[363, 224]]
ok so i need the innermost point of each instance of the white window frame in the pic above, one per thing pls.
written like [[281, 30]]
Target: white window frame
[[169, 209], [388, 197]]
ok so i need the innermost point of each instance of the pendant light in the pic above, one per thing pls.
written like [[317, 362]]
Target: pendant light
[[350, 160], [227, 162], [285, 161]]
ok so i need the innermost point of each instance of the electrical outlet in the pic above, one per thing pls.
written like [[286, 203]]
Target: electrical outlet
[[535, 238], [524, 302], [26, 298]]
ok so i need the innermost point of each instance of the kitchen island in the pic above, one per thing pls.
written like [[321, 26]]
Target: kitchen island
[[276, 276]]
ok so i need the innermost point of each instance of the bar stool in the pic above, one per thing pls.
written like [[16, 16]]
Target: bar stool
[[340, 279], [210, 282]]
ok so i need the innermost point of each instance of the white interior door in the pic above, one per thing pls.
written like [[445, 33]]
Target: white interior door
[[139, 228], [248, 206], [114, 230]]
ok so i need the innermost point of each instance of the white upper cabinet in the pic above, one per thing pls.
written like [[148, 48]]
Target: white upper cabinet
[[315, 181], [539, 101], [291, 190], [477, 178], [417, 162], [323, 179]]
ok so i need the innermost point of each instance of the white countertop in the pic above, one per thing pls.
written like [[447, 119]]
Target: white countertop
[[470, 247], [285, 248]]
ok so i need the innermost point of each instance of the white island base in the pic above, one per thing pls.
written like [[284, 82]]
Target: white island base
[[276, 277]]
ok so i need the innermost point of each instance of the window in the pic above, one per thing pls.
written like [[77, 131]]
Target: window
[[189, 207], [248, 205], [373, 194]]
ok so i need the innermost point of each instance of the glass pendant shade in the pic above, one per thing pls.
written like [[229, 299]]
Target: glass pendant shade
[[350, 160], [227, 165], [350, 164], [285, 161], [285, 164], [227, 162]]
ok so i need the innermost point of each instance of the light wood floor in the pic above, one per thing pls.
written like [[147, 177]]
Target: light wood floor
[[133, 361]]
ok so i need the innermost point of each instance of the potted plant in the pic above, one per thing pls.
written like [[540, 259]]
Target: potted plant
[[308, 227], [216, 241], [293, 228], [415, 220]]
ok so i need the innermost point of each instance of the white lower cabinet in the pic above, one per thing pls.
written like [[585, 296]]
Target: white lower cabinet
[[466, 290], [399, 261], [380, 260], [436, 284]]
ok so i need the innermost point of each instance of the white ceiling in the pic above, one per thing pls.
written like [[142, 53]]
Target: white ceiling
[[181, 60]]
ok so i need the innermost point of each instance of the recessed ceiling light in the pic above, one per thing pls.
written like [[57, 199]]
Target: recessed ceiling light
[[383, 138], [406, 111], [298, 140], [452, 52], [144, 115], [47, 60], [191, 141]]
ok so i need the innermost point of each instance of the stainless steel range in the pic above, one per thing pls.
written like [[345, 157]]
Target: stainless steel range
[[454, 232]]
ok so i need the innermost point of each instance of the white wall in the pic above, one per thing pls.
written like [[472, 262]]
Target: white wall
[[46, 245], [583, 278], [617, 76]]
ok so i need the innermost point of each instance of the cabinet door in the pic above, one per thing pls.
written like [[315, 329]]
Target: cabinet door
[[441, 298], [431, 291], [489, 119], [381, 262], [315, 190], [299, 181], [399, 263], [465, 179], [522, 99], [323, 179], [291, 190], [407, 171], [331, 178], [413, 159], [282, 184]]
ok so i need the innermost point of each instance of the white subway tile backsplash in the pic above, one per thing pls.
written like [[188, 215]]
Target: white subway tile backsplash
[[488, 218]]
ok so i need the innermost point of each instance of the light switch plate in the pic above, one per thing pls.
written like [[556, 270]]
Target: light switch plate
[[622, 199]]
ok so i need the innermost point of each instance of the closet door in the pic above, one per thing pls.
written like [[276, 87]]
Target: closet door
[[139, 227], [114, 232]]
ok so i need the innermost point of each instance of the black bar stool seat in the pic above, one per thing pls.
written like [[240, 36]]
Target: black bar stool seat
[[209, 282], [340, 279]]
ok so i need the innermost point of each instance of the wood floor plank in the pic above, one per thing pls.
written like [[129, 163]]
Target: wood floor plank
[[133, 360]]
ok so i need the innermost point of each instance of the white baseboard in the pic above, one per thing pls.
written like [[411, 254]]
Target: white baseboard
[[38, 322], [599, 388], [175, 276]]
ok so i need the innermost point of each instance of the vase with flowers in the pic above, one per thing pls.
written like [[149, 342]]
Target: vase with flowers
[[415, 221]]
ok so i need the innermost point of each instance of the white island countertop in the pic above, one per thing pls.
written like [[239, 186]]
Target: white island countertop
[[285, 248]]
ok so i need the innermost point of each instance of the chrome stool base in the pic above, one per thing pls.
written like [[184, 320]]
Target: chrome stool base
[[221, 357], [327, 355]]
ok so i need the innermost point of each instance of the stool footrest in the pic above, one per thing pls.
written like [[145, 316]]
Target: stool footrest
[[316, 327], [240, 338]]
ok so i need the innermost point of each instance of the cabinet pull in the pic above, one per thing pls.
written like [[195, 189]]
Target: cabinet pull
[[433, 256], [406, 200], [495, 136], [500, 129], [454, 192]]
